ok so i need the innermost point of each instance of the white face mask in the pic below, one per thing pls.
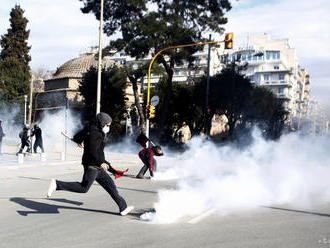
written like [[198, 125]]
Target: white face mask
[[105, 129]]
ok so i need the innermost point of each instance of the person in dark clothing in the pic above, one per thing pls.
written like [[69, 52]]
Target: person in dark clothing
[[38, 142], [25, 142], [147, 156], [2, 134], [95, 165]]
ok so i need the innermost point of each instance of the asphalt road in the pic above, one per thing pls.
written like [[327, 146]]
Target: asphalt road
[[28, 219]]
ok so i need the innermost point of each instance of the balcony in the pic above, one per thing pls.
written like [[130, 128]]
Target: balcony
[[283, 96], [272, 70], [283, 83]]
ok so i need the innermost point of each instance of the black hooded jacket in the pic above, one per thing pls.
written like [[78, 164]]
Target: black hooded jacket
[[93, 139], [37, 132]]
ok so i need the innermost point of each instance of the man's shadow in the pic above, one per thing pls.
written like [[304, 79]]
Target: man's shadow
[[45, 208]]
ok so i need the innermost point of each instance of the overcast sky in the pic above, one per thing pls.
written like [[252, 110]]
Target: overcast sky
[[60, 32]]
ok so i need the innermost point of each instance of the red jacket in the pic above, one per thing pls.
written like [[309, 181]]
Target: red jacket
[[147, 154]]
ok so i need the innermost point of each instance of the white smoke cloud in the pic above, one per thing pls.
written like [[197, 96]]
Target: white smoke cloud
[[8, 116], [293, 170], [52, 124]]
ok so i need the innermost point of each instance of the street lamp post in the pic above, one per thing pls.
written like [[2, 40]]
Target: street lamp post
[[30, 103], [98, 90], [25, 103]]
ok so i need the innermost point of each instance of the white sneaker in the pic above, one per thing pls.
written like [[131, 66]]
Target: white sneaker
[[126, 210], [51, 188]]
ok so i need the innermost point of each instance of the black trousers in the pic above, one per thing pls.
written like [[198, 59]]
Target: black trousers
[[146, 166], [25, 143], [36, 144], [92, 174]]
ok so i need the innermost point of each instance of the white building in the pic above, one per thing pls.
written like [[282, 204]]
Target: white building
[[182, 73], [274, 64]]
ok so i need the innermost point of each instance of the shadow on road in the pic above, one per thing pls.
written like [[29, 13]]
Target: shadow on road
[[45, 208], [139, 190], [129, 175], [299, 211], [66, 201]]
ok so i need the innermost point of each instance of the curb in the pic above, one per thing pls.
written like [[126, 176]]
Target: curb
[[18, 166]]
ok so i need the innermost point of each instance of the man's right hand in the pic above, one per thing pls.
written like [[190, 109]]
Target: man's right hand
[[105, 166]]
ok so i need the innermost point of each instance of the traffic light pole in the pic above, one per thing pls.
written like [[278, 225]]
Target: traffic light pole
[[159, 52]]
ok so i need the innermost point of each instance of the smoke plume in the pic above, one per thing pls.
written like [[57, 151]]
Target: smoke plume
[[294, 170]]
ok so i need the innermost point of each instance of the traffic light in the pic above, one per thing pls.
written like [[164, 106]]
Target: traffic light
[[151, 111], [229, 40]]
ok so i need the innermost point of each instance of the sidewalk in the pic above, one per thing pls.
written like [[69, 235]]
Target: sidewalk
[[9, 159]]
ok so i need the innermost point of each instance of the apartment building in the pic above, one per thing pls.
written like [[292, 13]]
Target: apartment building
[[274, 64], [182, 73]]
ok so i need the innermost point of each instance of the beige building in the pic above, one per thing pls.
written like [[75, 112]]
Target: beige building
[[62, 89]]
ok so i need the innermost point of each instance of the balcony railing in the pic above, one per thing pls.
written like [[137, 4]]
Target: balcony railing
[[287, 83], [284, 96]]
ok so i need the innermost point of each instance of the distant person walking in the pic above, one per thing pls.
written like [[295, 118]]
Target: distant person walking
[[25, 142], [95, 165], [2, 134], [38, 142]]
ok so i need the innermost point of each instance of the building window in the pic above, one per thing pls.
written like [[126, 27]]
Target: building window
[[266, 77], [243, 56], [281, 76], [280, 90], [276, 67], [273, 55], [278, 55]]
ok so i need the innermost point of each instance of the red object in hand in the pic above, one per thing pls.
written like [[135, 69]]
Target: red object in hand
[[119, 173]]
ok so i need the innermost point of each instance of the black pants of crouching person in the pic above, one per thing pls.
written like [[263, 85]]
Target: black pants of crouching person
[[92, 174], [146, 166]]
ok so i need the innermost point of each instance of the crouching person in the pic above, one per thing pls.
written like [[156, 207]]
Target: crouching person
[[147, 156]]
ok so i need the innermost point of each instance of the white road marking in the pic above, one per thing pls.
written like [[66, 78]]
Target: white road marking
[[202, 216]]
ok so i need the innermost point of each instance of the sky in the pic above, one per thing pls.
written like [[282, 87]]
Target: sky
[[59, 31]]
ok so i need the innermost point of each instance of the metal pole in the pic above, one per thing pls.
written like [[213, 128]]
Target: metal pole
[[147, 131], [66, 125], [98, 90], [25, 102], [30, 111], [207, 89], [30, 103]]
